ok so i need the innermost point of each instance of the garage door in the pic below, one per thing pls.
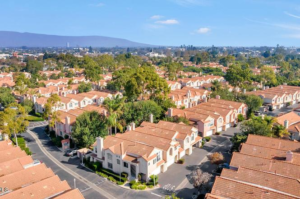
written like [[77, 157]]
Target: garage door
[[208, 133], [157, 171], [219, 129], [228, 126]]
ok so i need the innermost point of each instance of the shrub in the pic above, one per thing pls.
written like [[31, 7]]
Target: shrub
[[66, 136], [135, 186], [150, 186], [124, 175], [52, 134], [110, 178], [203, 143], [207, 138], [132, 182], [240, 118], [120, 183], [152, 179], [141, 187], [109, 173], [218, 133], [102, 174], [181, 161], [216, 158]]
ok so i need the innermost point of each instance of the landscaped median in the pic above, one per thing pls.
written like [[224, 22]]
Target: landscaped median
[[21, 144], [120, 179]]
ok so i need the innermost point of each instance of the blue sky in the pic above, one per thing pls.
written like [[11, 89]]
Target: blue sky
[[161, 22]]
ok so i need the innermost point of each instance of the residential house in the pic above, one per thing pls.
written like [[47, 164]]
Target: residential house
[[264, 168], [147, 150], [291, 121], [278, 97], [188, 97]]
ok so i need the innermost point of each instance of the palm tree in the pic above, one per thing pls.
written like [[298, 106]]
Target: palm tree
[[114, 108], [216, 85], [22, 88], [280, 131]]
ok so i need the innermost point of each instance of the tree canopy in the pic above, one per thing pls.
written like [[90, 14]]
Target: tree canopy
[[88, 127]]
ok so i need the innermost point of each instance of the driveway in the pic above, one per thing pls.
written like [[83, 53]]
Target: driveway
[[176, 175], [283, 110]]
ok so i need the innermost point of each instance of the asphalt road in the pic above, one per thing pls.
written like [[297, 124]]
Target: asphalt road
[[69, 169], [93, 186]]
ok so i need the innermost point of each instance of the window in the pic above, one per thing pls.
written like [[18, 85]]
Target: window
[[187, 140], [110, 165], [171, 151], [158, 156], [154, 161], [109, 156], [118, 161], [70, 105], [125, 164]]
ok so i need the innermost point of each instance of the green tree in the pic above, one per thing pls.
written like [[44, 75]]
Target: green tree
[[268, 76], [84, 87], [254, 103], [237, 140], [51, 107], [13, 120], [6, 97], [140, 111], [33, 66], [114, 108], [216, 86], [236, 75], [88, 127], [172, 70], [28, 105], [92, 69]]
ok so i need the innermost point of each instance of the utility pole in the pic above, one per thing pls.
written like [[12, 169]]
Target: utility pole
[[74, 183]]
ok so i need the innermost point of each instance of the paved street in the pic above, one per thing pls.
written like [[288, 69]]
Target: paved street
[[94, 186]]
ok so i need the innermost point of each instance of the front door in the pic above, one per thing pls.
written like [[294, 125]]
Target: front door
[[133, 170]]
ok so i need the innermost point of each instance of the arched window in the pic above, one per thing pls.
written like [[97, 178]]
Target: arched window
[[171, 151], [187, 140]]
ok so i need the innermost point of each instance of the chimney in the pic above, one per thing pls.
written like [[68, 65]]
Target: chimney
[[218, 97], [244, 91], [286, 124], [67, 120], [99, 147], [34, 99], [64, 94], [128, 128], [289, 156], [285, 84], [75, 92], [205, 99], [170, 112], [151, 118], [57, 88], [133, 126]]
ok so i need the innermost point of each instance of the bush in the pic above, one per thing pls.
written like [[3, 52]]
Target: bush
[[240, 118], [150, 186], [207, 138], [181, 161], [102, 174], [124, 175], [66, 137], [152, 179], [142, 187], [120, 183], [52, 134], [110, 178], [135, 186], [218, 133], [109, 173], [132, 182]]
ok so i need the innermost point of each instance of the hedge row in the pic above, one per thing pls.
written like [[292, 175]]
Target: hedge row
[[21, 144]]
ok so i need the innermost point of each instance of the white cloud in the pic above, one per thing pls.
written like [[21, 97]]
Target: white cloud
[[168, 22], [156, 17], [294, 36], [203, 30], [291, 15]]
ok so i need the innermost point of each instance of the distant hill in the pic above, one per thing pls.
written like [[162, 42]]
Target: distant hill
[[17, 39]]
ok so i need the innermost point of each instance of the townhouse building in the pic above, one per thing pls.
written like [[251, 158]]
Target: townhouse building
[[213, 116], [197, 82], [146, 150], [188, 97], [67, 119], [291, 121], [264, 168], [23, 177], [173, 85], [278, 97]]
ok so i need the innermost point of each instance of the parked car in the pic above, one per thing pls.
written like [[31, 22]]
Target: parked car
[[71, 152]]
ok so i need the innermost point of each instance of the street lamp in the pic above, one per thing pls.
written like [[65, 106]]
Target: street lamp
[[74, 183]]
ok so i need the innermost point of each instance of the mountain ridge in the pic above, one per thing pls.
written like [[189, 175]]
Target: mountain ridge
[[18, 39]]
